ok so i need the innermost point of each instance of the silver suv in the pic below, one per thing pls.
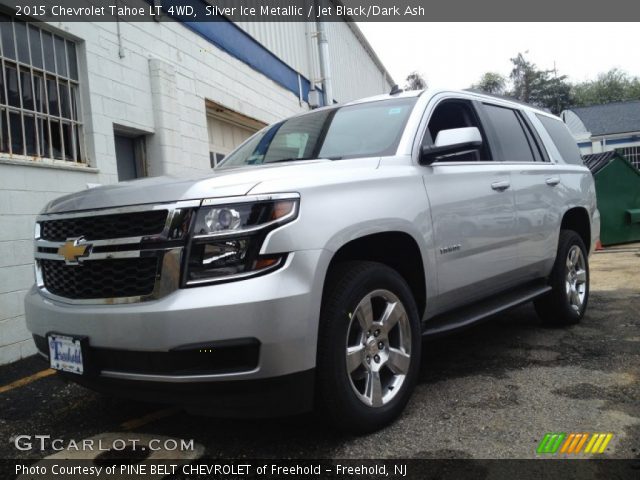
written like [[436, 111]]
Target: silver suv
[[307, 268]]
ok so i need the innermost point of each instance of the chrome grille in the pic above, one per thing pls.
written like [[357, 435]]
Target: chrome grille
[[120, 255]]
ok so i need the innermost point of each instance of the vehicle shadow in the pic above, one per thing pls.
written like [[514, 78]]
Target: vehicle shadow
[[491, 347], [512, 340]]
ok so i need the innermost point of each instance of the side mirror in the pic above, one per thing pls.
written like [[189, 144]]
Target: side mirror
[[448, 142]]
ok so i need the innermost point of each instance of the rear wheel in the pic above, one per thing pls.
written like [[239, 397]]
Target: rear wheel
[[569, 280], [368, 348]]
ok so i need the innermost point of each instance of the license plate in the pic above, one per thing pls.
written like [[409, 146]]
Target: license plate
[[65, 354]]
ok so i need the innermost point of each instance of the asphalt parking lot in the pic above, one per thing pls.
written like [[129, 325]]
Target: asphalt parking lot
[[489, 392]]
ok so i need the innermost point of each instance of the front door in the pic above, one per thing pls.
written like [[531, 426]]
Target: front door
[[473, 213]]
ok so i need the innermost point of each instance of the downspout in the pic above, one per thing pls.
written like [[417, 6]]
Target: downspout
[[325, 66]]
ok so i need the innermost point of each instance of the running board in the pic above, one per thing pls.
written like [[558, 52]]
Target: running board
[[467, 316]]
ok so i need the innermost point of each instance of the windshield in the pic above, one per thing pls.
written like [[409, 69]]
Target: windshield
[[364, 130]]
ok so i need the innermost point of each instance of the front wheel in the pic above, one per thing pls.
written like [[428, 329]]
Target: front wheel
[[569, 280], [368, 347]]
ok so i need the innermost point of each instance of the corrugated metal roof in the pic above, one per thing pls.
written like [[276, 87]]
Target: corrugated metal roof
[[597, 161], [367, 46], [619, 117], [356, 69]]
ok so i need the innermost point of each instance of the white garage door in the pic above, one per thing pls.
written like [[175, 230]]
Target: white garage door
[[227, 129]]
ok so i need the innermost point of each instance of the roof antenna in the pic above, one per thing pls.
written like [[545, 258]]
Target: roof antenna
[[395, 90]]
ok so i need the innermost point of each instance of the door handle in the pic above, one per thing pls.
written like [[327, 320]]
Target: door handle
[[501, 186], [552, 181]]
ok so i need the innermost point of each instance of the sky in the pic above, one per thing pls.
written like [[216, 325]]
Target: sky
[[455, 55]]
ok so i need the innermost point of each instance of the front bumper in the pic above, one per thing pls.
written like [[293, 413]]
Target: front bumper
[[279, 311], [268, 397]]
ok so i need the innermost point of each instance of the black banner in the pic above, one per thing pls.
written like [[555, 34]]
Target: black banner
[[327, 10], [269, 469]]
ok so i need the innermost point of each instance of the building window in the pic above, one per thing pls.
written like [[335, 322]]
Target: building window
[[215, 158], [39, 114], [632, 154]]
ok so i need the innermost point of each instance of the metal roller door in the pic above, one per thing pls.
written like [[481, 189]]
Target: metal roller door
[[227, 129]]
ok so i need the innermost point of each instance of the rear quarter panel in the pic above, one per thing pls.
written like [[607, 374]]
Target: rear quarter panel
[[577, 180]]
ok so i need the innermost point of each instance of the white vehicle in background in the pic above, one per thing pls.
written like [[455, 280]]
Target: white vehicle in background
[[307, 268]]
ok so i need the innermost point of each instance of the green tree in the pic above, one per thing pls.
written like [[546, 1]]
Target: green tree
[[612, 86], [634, 89], [415, 81], [525, 78], [547, 89], [491, 82], [555, 94], [543, 88]]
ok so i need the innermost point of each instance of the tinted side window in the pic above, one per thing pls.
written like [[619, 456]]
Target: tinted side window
[[455, 113], [560, 135], [513, 140]]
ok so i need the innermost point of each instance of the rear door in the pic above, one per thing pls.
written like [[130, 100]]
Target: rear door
[[535, 183], [472, 210]]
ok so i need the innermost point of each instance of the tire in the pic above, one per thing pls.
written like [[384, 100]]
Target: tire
[[569, 280], [371, 388]]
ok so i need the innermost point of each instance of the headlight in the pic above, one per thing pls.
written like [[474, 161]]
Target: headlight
[[226, 239]]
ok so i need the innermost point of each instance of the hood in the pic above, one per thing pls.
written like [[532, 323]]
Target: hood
[[220, 183]]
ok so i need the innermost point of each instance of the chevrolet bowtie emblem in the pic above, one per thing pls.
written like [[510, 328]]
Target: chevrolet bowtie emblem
[[74, 249]]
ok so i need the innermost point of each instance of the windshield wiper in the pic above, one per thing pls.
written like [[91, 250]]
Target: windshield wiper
[[293, 159], [290, 159]]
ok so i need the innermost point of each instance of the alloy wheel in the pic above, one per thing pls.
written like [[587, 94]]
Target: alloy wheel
[[576, 279], [378, 348]]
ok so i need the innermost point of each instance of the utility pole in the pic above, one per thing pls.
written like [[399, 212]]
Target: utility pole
[[555, 81]]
